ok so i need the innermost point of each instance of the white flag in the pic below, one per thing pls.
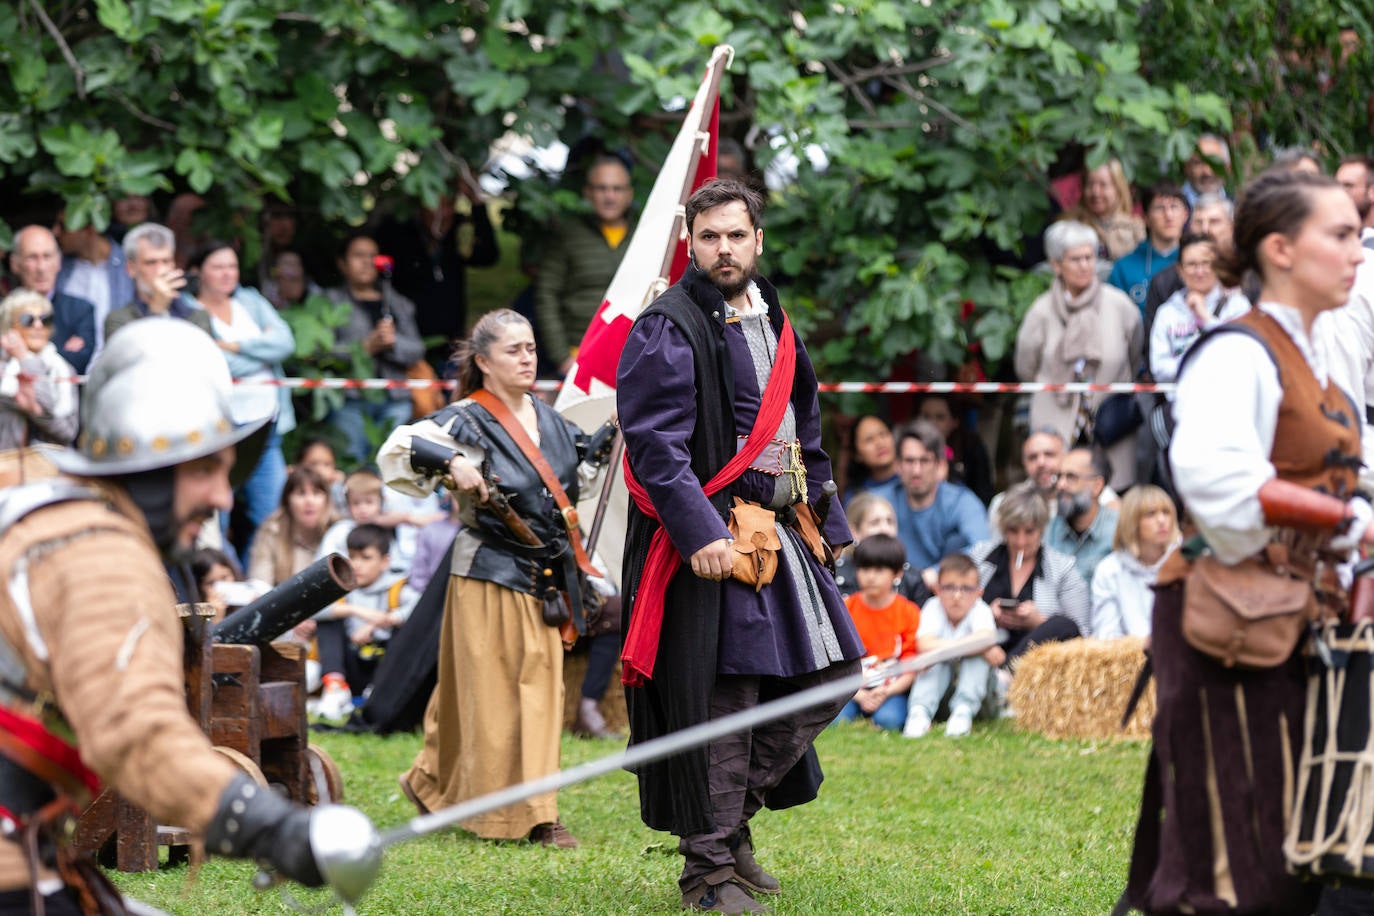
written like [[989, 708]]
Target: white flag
[[655, 258]]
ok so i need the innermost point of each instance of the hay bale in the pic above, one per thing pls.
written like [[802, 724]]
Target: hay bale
[[1079, 689]]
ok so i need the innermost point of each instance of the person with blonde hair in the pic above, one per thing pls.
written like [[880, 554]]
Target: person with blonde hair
[[38, 400], [1123, 598], [1107, 206]]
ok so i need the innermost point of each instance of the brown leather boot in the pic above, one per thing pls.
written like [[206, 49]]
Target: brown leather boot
[[553, 834], [727, 897], [747, 869], [409, 793]]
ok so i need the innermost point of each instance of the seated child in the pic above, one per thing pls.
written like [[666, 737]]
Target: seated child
[[362, 493], [957, 610], [871, 513], [353, 641], [366, 502], [220, 583], [887, 624]]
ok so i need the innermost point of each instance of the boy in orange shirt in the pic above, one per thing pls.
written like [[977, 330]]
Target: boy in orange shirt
[[887, 624]]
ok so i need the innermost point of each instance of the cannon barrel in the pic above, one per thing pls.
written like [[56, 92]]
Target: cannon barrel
[[303, 595]]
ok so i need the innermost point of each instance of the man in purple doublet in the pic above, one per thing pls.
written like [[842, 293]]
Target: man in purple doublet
[[690, 388]]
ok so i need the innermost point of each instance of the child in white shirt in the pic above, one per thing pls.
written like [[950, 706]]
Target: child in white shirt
[[957, 610]]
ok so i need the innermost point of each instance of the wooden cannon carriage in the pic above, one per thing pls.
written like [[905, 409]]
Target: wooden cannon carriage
[[249, 698]]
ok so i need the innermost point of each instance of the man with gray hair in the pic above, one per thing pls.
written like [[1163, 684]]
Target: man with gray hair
[[150, 255], [36, 260]]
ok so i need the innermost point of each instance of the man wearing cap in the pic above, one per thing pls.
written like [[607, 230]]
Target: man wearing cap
[[91, 683]]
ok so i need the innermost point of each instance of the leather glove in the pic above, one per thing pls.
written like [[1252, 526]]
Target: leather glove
[[256, 823]]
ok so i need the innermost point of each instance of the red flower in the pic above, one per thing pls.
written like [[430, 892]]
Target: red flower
[[384, 263], [966, 309]]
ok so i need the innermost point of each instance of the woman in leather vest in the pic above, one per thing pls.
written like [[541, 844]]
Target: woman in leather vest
[[496, 716], [1258, 428]]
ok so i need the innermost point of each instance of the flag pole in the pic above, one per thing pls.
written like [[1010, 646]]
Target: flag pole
[[714, 72]]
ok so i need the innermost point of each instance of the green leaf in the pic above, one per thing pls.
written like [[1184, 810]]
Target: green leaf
[[28, 70], [16, 140], [115, 16], [197, 166]]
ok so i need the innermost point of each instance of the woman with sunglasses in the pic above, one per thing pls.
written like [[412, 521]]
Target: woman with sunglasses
[[38, 399]]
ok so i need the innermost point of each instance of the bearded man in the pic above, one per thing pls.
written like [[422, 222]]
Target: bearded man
[[717, 403]]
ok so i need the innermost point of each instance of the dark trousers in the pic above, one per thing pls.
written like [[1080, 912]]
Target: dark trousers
[[744, 766], [19, 903], [1346, 901], [1055, 629], [602, 652]]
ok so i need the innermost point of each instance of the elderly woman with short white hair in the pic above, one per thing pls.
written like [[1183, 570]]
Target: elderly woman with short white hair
[[38, 400], [1081, 330]]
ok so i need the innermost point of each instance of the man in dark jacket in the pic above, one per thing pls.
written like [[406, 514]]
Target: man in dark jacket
[[36, 261], [703, 363]]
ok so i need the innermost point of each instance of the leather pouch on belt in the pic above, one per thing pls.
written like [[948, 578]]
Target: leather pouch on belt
[[1252, 614], [755, 531], [808, 526]]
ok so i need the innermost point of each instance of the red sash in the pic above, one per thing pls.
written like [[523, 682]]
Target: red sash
[[646, 622], [28, 744]]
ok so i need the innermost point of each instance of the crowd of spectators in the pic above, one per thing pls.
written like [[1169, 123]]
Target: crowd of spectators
[[1073, 550], [1059, 556]]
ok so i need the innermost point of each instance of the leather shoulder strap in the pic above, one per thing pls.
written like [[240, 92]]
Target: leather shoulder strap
[[492, 404]]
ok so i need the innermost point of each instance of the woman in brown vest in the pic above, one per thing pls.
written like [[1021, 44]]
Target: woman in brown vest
[[1258, 424]]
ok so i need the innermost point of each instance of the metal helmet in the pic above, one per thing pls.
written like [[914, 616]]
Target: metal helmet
[[156, 396]]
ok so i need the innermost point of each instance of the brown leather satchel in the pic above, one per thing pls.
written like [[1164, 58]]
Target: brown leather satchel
[[1251, 614], [756, 545]]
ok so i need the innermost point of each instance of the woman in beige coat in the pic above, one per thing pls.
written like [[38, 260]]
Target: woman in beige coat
[[1081, 330]]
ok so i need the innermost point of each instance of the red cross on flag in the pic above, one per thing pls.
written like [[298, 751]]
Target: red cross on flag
[[655, 258]]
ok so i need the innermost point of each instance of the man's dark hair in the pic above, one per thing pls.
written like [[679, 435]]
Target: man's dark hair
[[880, 551], [720, 191], [1359, 159], [924, 432], [369, 535], [1102, 465], [1162, 189]]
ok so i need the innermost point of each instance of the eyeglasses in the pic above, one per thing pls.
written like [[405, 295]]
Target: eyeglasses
[[1071, 478], [1168, 206], [29, 319], [958, 591]]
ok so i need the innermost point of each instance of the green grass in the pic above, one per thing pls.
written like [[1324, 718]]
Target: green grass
[[996, 823]]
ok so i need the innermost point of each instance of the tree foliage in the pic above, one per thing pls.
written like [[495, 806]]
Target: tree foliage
[[938, 122]]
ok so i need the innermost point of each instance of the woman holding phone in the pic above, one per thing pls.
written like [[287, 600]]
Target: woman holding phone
[[1035, 592]]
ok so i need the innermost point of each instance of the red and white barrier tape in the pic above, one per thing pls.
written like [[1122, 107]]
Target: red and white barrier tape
[[382, 384]]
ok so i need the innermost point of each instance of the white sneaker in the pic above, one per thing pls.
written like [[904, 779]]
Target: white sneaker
[[336, 704], [960, 723], [917, 723]]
